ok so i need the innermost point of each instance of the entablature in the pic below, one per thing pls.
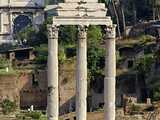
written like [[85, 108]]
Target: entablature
[[82, 21]]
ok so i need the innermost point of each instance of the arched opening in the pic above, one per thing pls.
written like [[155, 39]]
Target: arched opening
[[20, 23]]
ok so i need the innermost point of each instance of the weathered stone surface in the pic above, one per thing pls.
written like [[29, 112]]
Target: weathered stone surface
[[100, 116], [110, 74], [53, 95], [11, 9], [67, 89], [82, 21], [21, 89], [85, 13], [73, 1], [24, 3], [9, 88], [81, 74], [87, 9], [31, 94]]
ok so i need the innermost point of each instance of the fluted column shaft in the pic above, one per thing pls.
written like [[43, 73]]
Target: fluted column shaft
[[53, 99], [81, 74], [110, 74]]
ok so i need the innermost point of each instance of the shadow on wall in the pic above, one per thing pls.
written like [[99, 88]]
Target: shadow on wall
[[68, 106]]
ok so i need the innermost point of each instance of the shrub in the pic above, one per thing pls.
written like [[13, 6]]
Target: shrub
[[135, 108], [146, 39], [20, 117], [34, 115], [4, 63], [61, 55], [42, 49], [8, 106], [43, 117], [143, 65], [156, 93], [41, 59]]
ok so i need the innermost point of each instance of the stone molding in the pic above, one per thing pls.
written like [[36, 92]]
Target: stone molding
[[82, 21]]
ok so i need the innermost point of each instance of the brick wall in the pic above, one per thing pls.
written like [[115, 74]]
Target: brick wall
[[33, 89], [9, 88]]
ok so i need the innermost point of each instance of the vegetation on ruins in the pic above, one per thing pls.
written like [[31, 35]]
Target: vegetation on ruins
[[6, 67], [124, 13], [96, 53], [67, 46], [4, 63], [8, 106], [31, 115]]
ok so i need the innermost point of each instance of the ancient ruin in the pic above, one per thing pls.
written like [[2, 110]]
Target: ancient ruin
[[16, 14], [82, 14]]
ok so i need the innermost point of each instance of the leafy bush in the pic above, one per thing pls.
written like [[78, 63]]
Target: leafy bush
[[8, 106], [143, 65], [42, 49], [156, 94], [43, 117], [34, 115], [135, 108], [42, 53], [4, 63], [146, 39], [33, 36], [94, 36], [41, 59], [20, 117], [67, 35], [61, 55]]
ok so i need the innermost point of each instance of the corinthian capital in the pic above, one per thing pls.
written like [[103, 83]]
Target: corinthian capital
[[52, 31], [82, 31], [82, 28], [110, 32]]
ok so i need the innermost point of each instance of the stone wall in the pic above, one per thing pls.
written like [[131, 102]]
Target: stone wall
[[100, 116], [30, 88], [67, 88], [25, 91], [33, 89], [9, 88]]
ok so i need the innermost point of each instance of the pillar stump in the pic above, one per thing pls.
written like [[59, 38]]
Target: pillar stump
[[110, 74], [81, 74], [53, 98]]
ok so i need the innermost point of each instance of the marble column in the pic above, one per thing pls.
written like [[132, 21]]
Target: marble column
[[81, 74], [53, 99], [110, 74]]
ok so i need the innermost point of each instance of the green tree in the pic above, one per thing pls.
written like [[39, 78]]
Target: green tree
[[68, 35], [95, 56], [33, 36]]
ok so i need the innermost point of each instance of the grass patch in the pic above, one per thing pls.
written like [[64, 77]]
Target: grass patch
[[34, 115], [9, 72]]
